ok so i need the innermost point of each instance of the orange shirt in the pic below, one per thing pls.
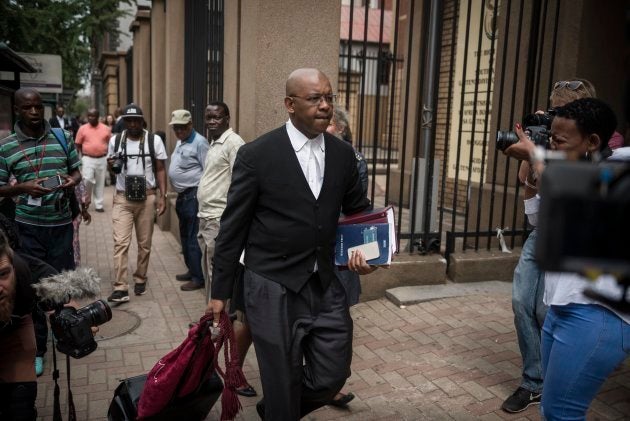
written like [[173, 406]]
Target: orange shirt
[[93, 140]]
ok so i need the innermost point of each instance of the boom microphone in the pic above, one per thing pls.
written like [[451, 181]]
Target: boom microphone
[[69, 285]]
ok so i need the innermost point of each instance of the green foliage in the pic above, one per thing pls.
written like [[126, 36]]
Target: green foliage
[[71, 28], [81, 105]]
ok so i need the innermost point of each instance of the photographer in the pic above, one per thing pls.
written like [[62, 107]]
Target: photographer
[[18, 387], [582, 341], [528, 282]]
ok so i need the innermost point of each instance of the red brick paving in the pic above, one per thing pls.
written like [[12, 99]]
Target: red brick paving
[[449, 359]]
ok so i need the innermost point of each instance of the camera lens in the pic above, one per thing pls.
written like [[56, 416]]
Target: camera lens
[[505, 139], [98, 312]]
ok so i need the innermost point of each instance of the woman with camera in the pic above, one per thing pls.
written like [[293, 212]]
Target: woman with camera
[[582, 340], [528, 282]]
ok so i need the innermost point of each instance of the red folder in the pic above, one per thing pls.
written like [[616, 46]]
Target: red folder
[[372, 216]]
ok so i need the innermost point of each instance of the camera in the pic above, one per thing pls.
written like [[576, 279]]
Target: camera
[[118, 163], [536, 126], [583, 223], [72, 327]]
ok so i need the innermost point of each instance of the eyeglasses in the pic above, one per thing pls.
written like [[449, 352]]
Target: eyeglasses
[[570, 84], [317, 99]]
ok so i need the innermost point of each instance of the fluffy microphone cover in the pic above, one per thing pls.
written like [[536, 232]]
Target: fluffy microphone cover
[[76, 284]]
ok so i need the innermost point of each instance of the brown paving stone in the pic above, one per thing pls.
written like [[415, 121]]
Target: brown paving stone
[[448, 359]]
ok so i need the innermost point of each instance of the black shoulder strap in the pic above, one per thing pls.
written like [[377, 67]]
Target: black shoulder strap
[[117, 142], [152, 154]]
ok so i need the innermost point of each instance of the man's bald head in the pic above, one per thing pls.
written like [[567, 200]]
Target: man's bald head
[[23, 93], [309, 101], [92, 116], [299, 77]]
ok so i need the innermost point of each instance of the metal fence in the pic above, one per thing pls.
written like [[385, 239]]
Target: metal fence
[[427, 121], [203, 57]]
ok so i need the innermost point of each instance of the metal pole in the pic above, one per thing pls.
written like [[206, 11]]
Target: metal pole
[[429, 102]]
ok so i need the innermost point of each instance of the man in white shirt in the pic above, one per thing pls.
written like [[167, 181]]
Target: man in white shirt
[[215, 181], [138, 158]]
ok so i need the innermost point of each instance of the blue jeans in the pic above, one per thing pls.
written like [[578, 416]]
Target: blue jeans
[[581, 345], [187, 207], [529, 310]]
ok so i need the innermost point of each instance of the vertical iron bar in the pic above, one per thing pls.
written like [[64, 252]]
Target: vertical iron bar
[[392, 95], [517, 58], [461, 118], [422, 58], [363, 72], [553, 46], [447, 131], [541, 50], [485, 128], [431, 86], [498, 122], [349, 51], [472, 129], [377, 117], [404, 129]]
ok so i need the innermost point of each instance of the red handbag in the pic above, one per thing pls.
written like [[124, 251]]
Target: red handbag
[[184, 369]]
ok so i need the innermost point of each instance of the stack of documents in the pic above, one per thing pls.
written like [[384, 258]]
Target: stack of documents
[[373, 232]]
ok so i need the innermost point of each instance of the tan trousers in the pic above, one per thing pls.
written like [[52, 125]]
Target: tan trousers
[[208, 231], [125, 216]]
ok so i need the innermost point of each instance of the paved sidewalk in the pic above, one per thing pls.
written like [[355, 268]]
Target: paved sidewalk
[[449, 358]]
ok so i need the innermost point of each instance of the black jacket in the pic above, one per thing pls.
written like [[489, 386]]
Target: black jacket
[[273, 215]]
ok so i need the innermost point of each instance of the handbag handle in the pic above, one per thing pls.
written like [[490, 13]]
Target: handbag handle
[[233, 376]]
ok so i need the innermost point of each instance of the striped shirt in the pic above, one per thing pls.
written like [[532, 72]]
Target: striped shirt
[[28, 158]]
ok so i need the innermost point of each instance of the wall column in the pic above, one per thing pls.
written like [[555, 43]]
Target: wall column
[[158, 66], [141, 28], [258, 60]]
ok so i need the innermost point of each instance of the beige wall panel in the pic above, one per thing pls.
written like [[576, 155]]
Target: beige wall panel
[[158, 66], [302, 36]]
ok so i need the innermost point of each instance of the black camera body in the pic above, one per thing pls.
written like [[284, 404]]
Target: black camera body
[[536, 126], [118, 163], [73, 328]]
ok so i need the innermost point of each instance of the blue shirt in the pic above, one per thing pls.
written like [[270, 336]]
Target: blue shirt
[[187, 162]]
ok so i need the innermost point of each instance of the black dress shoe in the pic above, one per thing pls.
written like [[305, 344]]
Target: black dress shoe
[[191, 286], [260, 408], [343, 401], [247, 391], [184, 276]]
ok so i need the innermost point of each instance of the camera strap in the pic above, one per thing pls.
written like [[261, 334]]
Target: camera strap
[[72, 416]]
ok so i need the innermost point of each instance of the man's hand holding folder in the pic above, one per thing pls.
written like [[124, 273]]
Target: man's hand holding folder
[[372, 233]]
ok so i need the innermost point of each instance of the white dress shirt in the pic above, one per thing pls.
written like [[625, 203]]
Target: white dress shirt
[[62, 122], [311, 154]]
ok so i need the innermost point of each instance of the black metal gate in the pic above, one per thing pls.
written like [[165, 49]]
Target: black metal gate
[[429, 137], [203, 57]]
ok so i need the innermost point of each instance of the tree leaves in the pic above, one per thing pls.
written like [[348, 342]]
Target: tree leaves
[[74, 29]]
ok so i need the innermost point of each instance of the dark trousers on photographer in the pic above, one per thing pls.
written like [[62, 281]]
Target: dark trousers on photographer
[[52, 245], [186, 208]]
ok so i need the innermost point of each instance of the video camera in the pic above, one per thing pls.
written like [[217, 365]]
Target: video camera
[[536, 126], [584, 222], [73, 328]]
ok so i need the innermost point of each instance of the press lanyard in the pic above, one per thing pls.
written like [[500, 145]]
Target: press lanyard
[[41, 158]]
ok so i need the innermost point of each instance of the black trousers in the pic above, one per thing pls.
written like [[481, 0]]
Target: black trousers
[[303, 343], [17, 401]]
